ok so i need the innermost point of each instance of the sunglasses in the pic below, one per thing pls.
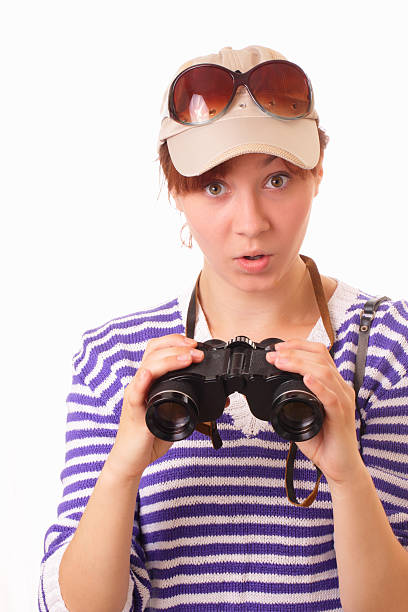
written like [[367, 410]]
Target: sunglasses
[[204, 92]]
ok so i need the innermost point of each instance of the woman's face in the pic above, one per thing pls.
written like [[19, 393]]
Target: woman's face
[[259, 205]]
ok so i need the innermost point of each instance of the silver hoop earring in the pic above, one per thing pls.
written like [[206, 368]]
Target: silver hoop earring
[[189, 243]]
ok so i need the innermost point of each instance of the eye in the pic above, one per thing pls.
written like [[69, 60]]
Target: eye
[[278, 180], [215, 189]]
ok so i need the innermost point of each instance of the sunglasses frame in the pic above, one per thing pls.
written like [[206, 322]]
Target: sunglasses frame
[[239, 78]]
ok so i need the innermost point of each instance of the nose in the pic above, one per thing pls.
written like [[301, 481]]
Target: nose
[[250, 217]]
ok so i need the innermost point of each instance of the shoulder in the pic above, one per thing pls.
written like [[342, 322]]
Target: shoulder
[[123, 339], [387, 353], [347, 305]]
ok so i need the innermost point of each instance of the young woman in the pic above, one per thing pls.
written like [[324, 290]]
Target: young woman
[[147, 523]]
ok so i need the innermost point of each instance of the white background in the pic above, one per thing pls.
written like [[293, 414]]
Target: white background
[[85, 237]]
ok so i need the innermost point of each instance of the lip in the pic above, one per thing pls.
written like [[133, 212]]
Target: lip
[[252, 254], [256, 265]]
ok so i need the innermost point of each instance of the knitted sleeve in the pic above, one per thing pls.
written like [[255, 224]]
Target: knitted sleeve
[[385, 441], [93, 411]]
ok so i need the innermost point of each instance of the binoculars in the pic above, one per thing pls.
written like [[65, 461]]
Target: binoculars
[[179, 400]]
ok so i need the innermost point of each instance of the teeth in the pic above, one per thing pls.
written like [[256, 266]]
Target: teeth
[[254, 257]]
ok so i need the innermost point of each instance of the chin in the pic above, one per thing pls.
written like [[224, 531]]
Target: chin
[[255, 282]]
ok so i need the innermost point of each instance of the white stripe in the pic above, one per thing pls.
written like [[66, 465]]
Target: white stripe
[[76, 478], [226, 500], [265, 462], [79, 443], [213, 481], [90, 426], [391, 437], [242, 557], [236, 519], [385, 454], [237, 578], [116, 333], [257, 539], [79, 461], [78, 496], [390, 420], [132, 317], [238, 597]]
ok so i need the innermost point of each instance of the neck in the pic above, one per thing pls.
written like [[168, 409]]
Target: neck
[[230, 310]]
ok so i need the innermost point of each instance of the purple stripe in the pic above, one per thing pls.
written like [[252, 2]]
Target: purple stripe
[[83, 400], [135, 315], [385, 464], [90, 400], [239, 529], [326, 605], [135, 335], [73, 504], [43, 595], [246, 491], [397, 448], [347, 355], [229, 548], [255, 471], [81, 434], [245, 568], [389, 428], [93, 449], [77, 416], [401, 392], [371, 384], [81, 468], [80, 485], [62, 531], [137, 599], [198, 588], [112, 358]]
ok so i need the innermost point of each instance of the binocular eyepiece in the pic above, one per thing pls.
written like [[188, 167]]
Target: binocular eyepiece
[[179, 400]]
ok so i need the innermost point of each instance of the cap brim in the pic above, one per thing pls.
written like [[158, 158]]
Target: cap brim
[[296, 141]]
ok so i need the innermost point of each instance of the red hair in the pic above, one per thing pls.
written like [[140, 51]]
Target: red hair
[[179, 184]]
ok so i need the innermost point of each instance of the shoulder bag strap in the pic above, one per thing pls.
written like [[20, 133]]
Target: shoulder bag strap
[[366, 319]]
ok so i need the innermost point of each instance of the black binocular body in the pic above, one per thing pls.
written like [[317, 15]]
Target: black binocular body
[[179, 400]]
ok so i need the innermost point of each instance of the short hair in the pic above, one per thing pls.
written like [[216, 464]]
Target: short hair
[[179, 184]]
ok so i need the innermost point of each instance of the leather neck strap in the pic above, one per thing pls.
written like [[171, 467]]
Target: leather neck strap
[[210, 429]]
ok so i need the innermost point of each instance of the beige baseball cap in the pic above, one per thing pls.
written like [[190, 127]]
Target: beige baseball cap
[[244, 128]]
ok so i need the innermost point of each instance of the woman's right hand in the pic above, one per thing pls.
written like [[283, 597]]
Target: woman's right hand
[[135, 446]]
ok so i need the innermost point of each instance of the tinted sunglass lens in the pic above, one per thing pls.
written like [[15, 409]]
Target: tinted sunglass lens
[[281, 89], [201, 94]]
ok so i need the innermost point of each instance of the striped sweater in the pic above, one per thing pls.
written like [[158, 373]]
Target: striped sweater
[[213, 529]]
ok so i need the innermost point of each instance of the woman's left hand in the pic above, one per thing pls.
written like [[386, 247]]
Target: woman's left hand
[[335, 448]]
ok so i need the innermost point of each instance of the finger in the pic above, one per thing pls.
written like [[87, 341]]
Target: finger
[[298, 364], [135, 391], [305, 345], [169, 359], [334, 403], [295, 355], [167, 341]]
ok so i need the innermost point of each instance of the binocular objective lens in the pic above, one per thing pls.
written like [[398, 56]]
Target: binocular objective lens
[[297, 415], [173, 417]]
